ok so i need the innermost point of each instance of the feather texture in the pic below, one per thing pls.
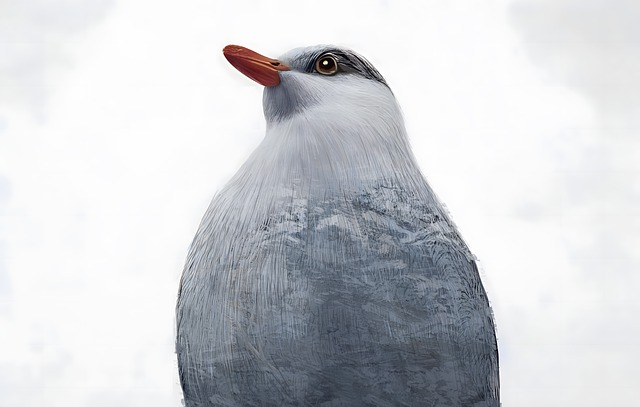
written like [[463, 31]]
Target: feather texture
[[326, 272]]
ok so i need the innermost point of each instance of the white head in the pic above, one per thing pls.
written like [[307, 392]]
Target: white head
[[311, 77], [327, 78], [333, 103]]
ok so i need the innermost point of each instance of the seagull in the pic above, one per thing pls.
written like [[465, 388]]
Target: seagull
[[327, 272]]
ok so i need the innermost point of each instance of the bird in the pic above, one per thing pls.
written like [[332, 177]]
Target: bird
[[327, 272]]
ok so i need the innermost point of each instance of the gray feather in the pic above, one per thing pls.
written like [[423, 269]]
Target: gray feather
[[326, 272]]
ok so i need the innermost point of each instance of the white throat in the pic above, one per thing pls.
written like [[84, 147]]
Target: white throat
[[352, 132], [349, 140]]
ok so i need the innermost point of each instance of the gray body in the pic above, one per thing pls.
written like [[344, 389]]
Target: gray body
[[326, 273]]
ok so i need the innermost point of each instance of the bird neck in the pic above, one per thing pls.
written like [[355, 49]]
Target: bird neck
[[309, 160], [334, 150]]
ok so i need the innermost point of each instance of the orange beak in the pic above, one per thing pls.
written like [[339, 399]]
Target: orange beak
[[255, 66]]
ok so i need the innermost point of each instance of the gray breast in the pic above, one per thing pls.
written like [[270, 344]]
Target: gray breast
[[371, 299]]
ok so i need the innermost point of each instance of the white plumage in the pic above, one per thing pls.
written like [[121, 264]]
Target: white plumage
[[326, 272]]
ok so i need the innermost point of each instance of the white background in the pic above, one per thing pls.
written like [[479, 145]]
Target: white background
[[120, 119]]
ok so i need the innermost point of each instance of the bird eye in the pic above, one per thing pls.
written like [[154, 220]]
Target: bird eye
[[327, 64]]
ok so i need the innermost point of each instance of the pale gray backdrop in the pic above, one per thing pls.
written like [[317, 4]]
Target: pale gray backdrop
[[120, 119]]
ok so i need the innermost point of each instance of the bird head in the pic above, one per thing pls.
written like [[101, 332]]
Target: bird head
[[330, 115], [326, 81]]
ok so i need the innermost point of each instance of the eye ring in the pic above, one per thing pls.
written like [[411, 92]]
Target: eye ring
[[327, 64]]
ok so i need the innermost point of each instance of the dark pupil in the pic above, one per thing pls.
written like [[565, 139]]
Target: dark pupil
[[327, 64]]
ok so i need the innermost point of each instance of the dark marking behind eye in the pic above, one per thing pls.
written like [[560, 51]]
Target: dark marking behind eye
[[348, 62]]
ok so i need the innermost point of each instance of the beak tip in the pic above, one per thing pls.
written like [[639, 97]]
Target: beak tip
[[232, 49]]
